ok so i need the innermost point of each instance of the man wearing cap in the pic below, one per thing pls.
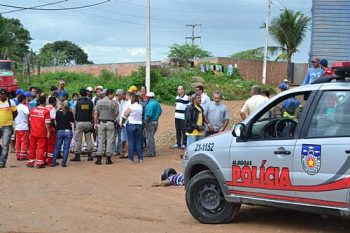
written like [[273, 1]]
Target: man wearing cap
[[8, 112], [326, 70], [283, 86], [18, 92], [60, 89], [83, 112], [132, 89], [98, 91], [151, 116], [106, 111], [313, 72], [89, 91]]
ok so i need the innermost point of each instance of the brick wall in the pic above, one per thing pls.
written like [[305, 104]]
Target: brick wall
[[122, 69], [252, 69], [249, 69]]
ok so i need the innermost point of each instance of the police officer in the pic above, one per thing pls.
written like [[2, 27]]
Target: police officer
[[83, 115], [106, 111]]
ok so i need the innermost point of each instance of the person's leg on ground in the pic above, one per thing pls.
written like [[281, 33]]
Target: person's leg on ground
[[32, 151], [89, 145], [184, 136], [24, 145], [18, 144], [131, 132], [42, 145], [138, 142], [6, 132], [110, 139], [58, 145], [178, 132], [67, 138], [102, 128]]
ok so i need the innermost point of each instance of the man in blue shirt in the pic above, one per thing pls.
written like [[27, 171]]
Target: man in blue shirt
[[313, 72], [151, 116]]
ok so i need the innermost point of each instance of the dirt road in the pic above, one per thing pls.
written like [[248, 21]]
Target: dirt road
[[119, 198]]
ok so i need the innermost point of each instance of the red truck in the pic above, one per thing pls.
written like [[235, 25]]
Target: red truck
[[7, 76]]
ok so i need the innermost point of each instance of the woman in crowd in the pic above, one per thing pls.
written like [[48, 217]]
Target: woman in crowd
[[64, 122], [134, 128]]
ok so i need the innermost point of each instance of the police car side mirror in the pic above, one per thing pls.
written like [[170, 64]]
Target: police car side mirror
[[239, 131]]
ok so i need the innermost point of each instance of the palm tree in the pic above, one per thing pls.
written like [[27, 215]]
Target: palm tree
[[288, 30], [187, 51]]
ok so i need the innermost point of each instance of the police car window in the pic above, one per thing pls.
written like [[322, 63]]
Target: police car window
[[280, 120], [332, 115]]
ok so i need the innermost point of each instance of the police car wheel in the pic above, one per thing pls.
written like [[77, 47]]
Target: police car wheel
[[206, 202]]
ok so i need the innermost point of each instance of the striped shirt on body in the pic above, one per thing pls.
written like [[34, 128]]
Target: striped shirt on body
[[181, 105]]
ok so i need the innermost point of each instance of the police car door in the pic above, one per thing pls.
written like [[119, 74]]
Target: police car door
[[262, 164], [322, 155]]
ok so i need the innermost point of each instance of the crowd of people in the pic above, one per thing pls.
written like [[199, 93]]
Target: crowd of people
[[44, 127], [47, 127]]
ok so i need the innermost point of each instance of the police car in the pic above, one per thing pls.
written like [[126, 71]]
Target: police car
[[298, 160]]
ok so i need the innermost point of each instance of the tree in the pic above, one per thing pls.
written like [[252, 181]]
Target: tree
[[250, 54], [62, 53], [187, 51], [14, 39], [288, 30]]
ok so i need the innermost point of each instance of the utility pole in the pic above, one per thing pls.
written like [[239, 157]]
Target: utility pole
[[148, 46], [193, 37], [266, 40]]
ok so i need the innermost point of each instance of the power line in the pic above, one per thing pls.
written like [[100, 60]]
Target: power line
[[47, 4], [55, 9]]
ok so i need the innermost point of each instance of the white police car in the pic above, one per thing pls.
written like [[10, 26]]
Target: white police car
[[298, 160]]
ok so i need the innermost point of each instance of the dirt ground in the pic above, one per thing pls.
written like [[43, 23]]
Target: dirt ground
[[119, 198]]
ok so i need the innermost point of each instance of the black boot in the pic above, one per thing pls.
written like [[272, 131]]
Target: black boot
[[98, 161], [76, 157], [90, 157], [108, 160]]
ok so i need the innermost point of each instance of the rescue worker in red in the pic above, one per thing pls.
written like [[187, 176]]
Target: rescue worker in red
[[52, 139], [39, 133], [326, 70]]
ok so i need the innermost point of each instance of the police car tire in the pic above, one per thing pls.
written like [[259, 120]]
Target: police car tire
[[196, 187]]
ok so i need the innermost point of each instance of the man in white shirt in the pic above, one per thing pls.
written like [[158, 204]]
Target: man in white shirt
[[205, 100], [181, 103], [22, 129], [253, 103]]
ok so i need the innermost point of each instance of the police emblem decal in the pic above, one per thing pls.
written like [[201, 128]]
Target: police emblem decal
[[311, 158]]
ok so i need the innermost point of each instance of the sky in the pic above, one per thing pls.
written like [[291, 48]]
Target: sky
[[115, 31]]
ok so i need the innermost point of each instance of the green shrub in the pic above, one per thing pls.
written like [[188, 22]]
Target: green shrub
[[164, 82]]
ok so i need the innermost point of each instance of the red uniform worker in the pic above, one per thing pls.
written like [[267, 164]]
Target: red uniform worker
[[39, 133], [52, 139]]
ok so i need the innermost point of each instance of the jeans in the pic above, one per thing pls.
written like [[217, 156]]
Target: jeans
[[191, 139], [5, 134], [151, 129], [62, 137], [180, 132], [134, 140]]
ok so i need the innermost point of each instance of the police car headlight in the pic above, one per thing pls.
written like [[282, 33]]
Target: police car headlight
[[185, 156]]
